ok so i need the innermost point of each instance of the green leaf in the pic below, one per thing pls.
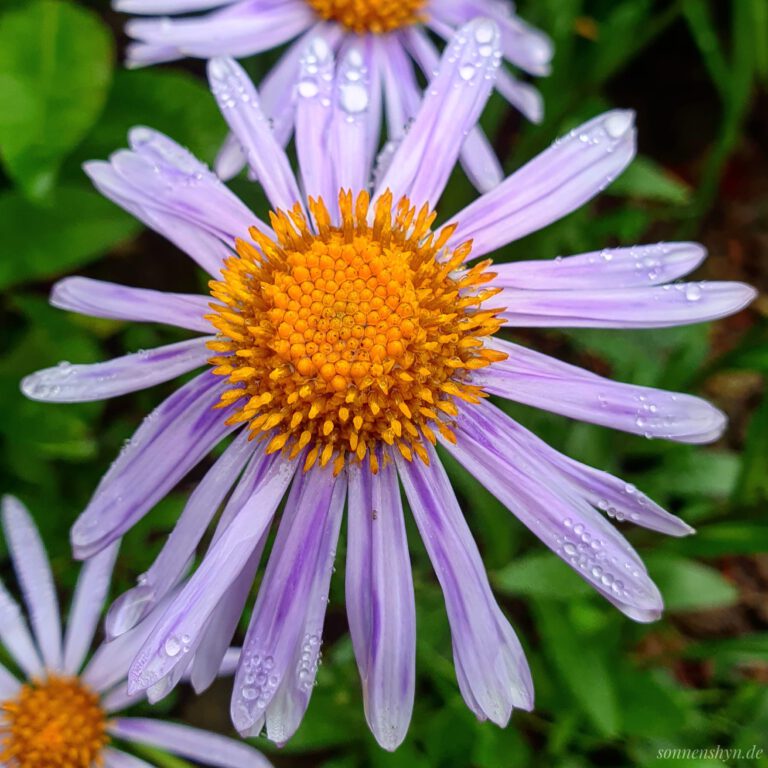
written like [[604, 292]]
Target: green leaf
[[646, 179], [541, 574], [55, 69], [47, 242], [753, 479], [689, 586]]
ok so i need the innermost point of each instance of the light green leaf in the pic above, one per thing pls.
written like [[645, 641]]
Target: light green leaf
[[688, 585], [45, 242], [646, 179], [541, 574], [55, 69]]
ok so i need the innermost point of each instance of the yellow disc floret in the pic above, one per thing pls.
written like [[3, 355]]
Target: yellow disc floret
[[377, 16], [338, 338], [57, 722]]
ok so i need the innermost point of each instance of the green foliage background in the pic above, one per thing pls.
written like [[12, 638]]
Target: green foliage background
[[609, 692]]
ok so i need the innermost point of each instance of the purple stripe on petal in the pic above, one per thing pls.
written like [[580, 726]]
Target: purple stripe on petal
[[180, 627], [118, 302], [276, 633], [170, 441], [490, 664], [544, 382], [91, 591], [33, 570], [562, 519], [169, 566], [451, 107], [560, 180], [239, 104], [635, 267], [380, 601], [659, 306], [67, 383], [209, 748]]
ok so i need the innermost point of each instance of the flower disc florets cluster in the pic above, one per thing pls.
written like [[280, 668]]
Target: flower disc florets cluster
[[337, 338], [53, 723], [377, 16]]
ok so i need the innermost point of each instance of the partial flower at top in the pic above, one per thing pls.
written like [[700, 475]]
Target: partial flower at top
[[62, 714], [381, 39], [345, 339]]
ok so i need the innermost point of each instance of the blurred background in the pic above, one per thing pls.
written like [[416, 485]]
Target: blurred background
[[609, 692]]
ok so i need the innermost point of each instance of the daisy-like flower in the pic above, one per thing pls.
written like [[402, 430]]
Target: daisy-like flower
[[347, 337], [64, 713], [389, 41]]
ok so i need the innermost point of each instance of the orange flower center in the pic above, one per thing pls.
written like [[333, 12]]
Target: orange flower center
[[53, 723], [377, 16], [340, 338]]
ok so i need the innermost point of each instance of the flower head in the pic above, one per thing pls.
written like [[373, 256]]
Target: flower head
[[348, 337], [62, 716], [386, 42]]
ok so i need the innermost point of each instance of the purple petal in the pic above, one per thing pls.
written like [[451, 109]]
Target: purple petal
[[116, 758], [15, 636], [560, 180], [97, 298], [635, 267], [659, 306], [298, 568], [9, 685], [544, 382], [490, 664], [181, 624], [155, 7], [402, 94], [380, 601], [521, 96], [238, 31], [563, 521], [169, 566], [230, 159], [67, 383], [239, 103], [451, 107], [91, 591], [480, 162], [33, 570], [203, 746], [314, 95], [170, 441]]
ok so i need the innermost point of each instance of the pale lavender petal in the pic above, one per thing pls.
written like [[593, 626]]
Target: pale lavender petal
[[653, 307], [15, 635], [9, 685], [91, 591], [180, 627], [562, 519], [522, 96], [179, 548], [351, 122], [380, 601], [479, 162], [230, 159], [239, 104], [314, 99], [276, 635], [234, 31], [490, 663], [200, 746], [564, 177], [141, 55], [451, 107], [98, 298], [68, 383], [287, 708], [402, 94], [544, 382], [155, 7], [633, 267], [221, 627], [116, 758], [170, 441], [33, 570]]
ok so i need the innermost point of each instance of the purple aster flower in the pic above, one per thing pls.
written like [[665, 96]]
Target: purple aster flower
[[383, 39], [64, 711], [348, 336]]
